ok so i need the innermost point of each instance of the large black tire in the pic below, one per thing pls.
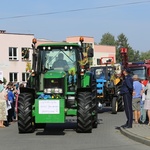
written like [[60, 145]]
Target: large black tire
[[120, 104], [119, 99], [84, 112], [25, 119], [114, 105], [94, 113], [94, 105], [95, 118]]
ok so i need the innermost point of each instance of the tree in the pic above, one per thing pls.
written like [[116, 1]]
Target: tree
[[108, 39], [137, 56], [145, 55], [122, 41]]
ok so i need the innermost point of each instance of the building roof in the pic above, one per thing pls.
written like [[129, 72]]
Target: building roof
[[4, 32]]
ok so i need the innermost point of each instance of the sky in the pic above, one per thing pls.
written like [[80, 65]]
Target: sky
[[58, 19]]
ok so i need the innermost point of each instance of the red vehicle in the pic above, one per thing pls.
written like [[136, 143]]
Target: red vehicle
[[142, 69]]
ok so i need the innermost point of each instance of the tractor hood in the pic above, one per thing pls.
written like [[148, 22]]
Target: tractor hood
[[55, 74]]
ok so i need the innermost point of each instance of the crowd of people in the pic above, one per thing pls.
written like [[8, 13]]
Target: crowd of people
[[136, 97], [8, 103]]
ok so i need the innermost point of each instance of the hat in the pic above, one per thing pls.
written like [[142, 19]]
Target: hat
[[127, 70], [135, 76], [1, 81]]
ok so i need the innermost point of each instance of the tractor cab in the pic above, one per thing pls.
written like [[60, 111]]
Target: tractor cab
[[57, 61]]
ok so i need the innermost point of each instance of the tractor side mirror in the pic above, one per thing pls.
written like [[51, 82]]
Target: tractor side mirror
[[90, 52]]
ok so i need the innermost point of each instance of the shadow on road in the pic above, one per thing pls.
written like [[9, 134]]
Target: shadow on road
[[57, 129], [105, 109], [117, 128]]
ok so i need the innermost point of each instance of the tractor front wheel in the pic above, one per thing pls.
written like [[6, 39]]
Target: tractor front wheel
[[114, 105], [84, 112], [25, 119]]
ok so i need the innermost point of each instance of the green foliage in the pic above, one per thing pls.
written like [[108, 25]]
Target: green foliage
[[137, 56], [107, 39], [145, 55], [122, 41]]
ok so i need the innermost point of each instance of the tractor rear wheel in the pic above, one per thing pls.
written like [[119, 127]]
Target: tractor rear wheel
[[84, 112], [120, 104], [119, 99], [25, 119]]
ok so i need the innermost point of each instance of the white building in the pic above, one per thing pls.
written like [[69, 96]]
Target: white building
[[15, 55]]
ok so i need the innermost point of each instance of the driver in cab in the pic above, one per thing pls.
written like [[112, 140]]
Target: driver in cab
[[60, 62]]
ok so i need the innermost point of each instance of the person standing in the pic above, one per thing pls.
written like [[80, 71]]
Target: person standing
[[147, 100], [143, 111], [126, 91], [21, 85], [137, 95], [10, 87], [3, 106]]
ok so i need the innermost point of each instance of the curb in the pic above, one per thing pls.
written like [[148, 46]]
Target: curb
[[135, 137]]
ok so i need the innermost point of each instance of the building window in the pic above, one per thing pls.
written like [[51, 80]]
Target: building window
[[25, 53], [25, 76], [13, 53], [13, 76]]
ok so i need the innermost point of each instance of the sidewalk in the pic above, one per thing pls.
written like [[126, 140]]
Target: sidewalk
[[139, 133]]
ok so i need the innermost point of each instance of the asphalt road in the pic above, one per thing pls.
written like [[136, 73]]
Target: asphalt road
[[105, 137]]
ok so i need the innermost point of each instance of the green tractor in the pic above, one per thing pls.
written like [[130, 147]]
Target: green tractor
[[59, 86]]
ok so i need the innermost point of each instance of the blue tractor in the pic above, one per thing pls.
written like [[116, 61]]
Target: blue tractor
[[108, 87]]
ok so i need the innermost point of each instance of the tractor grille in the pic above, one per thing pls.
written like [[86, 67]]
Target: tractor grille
[[54, 83]]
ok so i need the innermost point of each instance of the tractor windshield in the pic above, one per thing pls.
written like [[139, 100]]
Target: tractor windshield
[[58, 59], [140, 71], [103, 73]]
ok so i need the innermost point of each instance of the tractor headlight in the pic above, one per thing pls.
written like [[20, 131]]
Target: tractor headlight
[[53, 90], [118, 93], [57, 90]]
